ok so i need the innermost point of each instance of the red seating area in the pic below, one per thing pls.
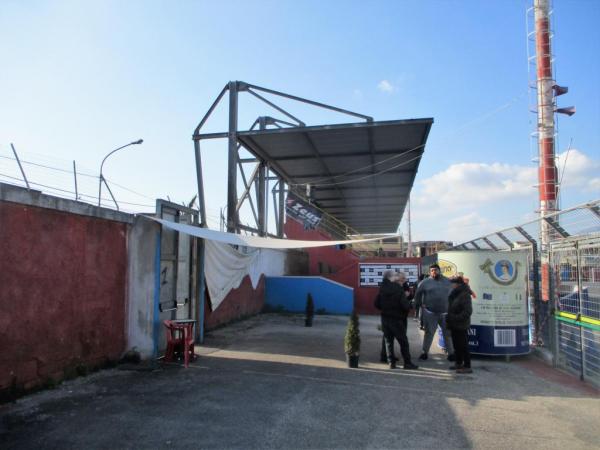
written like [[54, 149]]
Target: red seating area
[[180, 340]]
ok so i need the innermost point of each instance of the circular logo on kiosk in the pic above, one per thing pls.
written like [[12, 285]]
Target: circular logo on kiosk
[[502, 272]]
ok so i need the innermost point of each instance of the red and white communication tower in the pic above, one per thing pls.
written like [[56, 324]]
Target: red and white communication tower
[[546, 92]]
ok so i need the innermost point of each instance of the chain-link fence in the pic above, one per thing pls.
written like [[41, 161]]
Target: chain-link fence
[[564, 283]]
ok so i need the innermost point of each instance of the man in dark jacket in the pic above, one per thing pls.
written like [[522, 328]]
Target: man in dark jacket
[[433, 295], [458, 322], [394, 308]]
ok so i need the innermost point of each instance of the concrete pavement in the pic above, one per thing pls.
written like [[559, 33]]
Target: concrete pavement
[[269, 382]]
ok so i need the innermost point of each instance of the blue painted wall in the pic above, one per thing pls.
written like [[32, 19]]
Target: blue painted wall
[[290, 294]]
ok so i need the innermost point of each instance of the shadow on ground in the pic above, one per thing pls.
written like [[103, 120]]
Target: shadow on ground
[[270, 382]]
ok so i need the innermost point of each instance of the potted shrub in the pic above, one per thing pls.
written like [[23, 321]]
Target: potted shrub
[[310, 311], [352, 340]]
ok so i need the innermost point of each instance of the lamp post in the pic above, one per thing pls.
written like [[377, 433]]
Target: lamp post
[[102, 179]]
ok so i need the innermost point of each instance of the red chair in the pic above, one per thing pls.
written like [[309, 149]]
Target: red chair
[[180, 339]]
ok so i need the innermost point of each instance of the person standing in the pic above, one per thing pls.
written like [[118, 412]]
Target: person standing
[[458, 322], [400, 278], [432, 294], [394, 308], [418, 314]]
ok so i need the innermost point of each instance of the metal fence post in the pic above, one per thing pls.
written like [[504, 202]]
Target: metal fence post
[[20, 166], [580, 307]]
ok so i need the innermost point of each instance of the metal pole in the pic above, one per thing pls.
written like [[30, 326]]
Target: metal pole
[[310, 102], [232, 221], [535, 262], [261, 195], [100, 189], [580, 301], [201, 291], [409, 249], [275, 207], [266, 200], [75, 176], [20, 166], [545, 126], [200, 245], [200, 182], [211, 109], [110, 192], [281, 208]]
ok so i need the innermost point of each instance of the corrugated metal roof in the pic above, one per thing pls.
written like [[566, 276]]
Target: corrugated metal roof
[[340, 162]]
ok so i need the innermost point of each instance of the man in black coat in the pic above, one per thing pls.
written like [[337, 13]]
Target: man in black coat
[[458, 322], [394, 307]]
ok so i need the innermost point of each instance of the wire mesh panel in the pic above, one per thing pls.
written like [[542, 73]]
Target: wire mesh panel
[[569, 347], [564, 262], [563, 283], [576, 266], [591, 355], [590, 277], [589, 257]]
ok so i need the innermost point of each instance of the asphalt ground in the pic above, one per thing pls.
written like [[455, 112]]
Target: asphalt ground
[[269, 382]]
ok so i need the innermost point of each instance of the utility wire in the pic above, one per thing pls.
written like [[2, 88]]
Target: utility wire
[[72, 192], [70, 172]]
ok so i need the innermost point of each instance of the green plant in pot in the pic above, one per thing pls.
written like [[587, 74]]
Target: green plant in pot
[[310, 311], [352, 340]]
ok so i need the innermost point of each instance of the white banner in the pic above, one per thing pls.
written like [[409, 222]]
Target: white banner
[[256, 241]]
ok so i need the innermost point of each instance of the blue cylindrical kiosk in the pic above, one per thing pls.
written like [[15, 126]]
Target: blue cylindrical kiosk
[[500, 321]]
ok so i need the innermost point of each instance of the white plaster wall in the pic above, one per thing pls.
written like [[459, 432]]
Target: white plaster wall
[[141, 253]]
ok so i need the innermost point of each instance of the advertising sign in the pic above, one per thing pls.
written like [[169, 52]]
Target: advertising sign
[[297, 208], [371, 274], [500, 321]]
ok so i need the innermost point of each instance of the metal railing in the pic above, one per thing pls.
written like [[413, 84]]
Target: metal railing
[[565, 300]]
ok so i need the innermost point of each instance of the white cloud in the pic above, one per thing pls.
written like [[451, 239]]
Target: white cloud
[[472, 199], [468, 185], [580, 171], [386, 86], [471, 223]]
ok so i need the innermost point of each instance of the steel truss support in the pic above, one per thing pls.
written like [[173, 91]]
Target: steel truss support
[[490, 244], [260, 176]]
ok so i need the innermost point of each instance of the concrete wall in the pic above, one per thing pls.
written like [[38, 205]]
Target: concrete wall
[[78, 287], [141, 287], [63, 270], [290, 294]]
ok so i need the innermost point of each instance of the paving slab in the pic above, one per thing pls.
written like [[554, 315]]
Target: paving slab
[[269, 382]]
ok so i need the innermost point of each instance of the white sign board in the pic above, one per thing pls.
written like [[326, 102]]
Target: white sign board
[[371, 274], [500, 321]]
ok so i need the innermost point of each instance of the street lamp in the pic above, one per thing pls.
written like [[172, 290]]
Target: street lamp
[[102, 179]]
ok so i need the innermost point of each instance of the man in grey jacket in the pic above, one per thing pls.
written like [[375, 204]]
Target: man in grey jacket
[[432, 293]]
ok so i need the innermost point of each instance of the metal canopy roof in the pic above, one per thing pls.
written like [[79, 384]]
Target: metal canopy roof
[[360, 173]]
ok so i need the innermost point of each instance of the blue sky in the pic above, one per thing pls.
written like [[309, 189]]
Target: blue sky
[[80, 78]]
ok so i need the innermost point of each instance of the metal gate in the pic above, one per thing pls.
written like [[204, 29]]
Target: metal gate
[[576, 292], [177, 288]]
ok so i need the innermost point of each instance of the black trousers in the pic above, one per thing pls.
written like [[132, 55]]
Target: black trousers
[[395, 329], [460, 339]]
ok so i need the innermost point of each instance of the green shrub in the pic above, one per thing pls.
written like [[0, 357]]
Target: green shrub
[[352, 337]]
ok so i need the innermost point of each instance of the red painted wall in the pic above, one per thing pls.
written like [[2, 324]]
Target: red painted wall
[[62, 293], [241, 302], [344, 264]]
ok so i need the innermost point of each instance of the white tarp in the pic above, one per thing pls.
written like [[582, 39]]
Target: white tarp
[[225, 268], [255, 241]]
